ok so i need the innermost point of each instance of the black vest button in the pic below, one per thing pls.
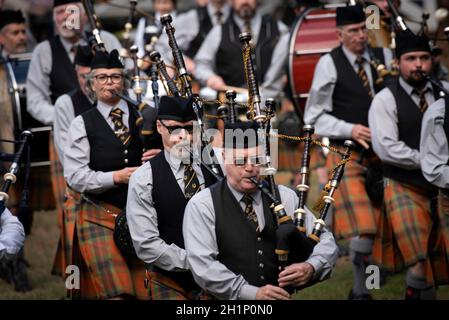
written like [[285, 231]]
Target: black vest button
[[259, 239], [126, 161], [262, 278], [260, 252], [126, 151], [261, 265]]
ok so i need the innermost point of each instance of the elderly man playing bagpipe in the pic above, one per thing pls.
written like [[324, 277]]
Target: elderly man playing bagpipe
[[158, 193], [230, 231]]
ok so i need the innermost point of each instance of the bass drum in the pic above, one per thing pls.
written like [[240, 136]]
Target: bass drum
[[313, 35], [17, 71]]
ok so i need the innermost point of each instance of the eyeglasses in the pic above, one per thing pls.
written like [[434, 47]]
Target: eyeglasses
[[255, 161], [171, 129], [103, 78]]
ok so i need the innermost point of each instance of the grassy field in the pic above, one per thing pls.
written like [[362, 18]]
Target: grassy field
[[41, 245]]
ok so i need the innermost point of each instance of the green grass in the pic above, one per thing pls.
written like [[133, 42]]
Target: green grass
[[40, 248]]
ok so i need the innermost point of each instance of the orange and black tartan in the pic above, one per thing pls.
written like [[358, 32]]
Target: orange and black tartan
[[89, 242], [410, 232], [354, 214]]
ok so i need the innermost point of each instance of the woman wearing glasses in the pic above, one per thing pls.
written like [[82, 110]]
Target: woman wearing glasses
[[103, 149], [158, 193]]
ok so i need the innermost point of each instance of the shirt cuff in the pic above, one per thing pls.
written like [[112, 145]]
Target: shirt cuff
[[248, 292], [346, 129], [317, 265], [107, 179]]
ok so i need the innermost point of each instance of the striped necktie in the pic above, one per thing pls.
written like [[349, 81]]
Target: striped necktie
[[191, 182], [250, 212], [121, 131], [363, 76], [422, 99]]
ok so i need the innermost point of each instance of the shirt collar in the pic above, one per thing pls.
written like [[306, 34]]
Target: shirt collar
[[68, 45], [174, 162], [257, 196], [225, 10], [352, 57], [105, 109], [255, 22], [409, 89]]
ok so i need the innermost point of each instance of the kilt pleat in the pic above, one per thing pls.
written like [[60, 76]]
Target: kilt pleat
[[105, 272], [353, 214], [443, 212], [410, 232]]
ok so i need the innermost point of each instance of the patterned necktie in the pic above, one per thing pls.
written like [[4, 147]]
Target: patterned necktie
[[249, 211], [422, 99], [121, 131], [191, 182], [219, 16], [362, 75]]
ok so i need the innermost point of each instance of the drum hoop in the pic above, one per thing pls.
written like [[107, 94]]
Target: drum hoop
[[291, 53], [14, 92], [25, 56]]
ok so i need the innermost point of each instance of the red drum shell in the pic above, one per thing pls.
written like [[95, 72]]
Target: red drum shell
[[314, 34]]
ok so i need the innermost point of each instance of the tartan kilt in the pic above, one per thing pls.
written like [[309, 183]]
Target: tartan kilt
[[409, 232], [58, 185], [41, 194], [161, 287], [105, 273], [354, 214], [289, 158], [443, 213]]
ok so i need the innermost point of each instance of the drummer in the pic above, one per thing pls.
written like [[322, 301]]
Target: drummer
[[13, 39], [13, 32], [341, 93]]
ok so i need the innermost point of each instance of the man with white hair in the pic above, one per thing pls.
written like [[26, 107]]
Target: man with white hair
[[51, 72]]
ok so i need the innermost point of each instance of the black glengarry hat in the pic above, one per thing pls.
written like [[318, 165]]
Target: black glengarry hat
[[10, 16], [105, 60], [61, 2], [241, 135], [176, 108], [83, 56], [350, 15], [409, 42]]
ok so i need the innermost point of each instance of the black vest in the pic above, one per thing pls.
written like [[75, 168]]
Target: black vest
[[446, 118], [80, 102], [169, 202], [107, 153], [229, 58], [409, 127], [62, 76], [240, 248], [350, 99], [205, 25]]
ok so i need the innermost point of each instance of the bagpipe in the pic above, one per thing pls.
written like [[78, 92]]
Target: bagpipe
[[10, 177], [293, 245]]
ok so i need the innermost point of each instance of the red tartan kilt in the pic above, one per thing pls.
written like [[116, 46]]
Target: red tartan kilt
[[407, 234], [105, 273], [443, 212], [58, 186], [353, 214]]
